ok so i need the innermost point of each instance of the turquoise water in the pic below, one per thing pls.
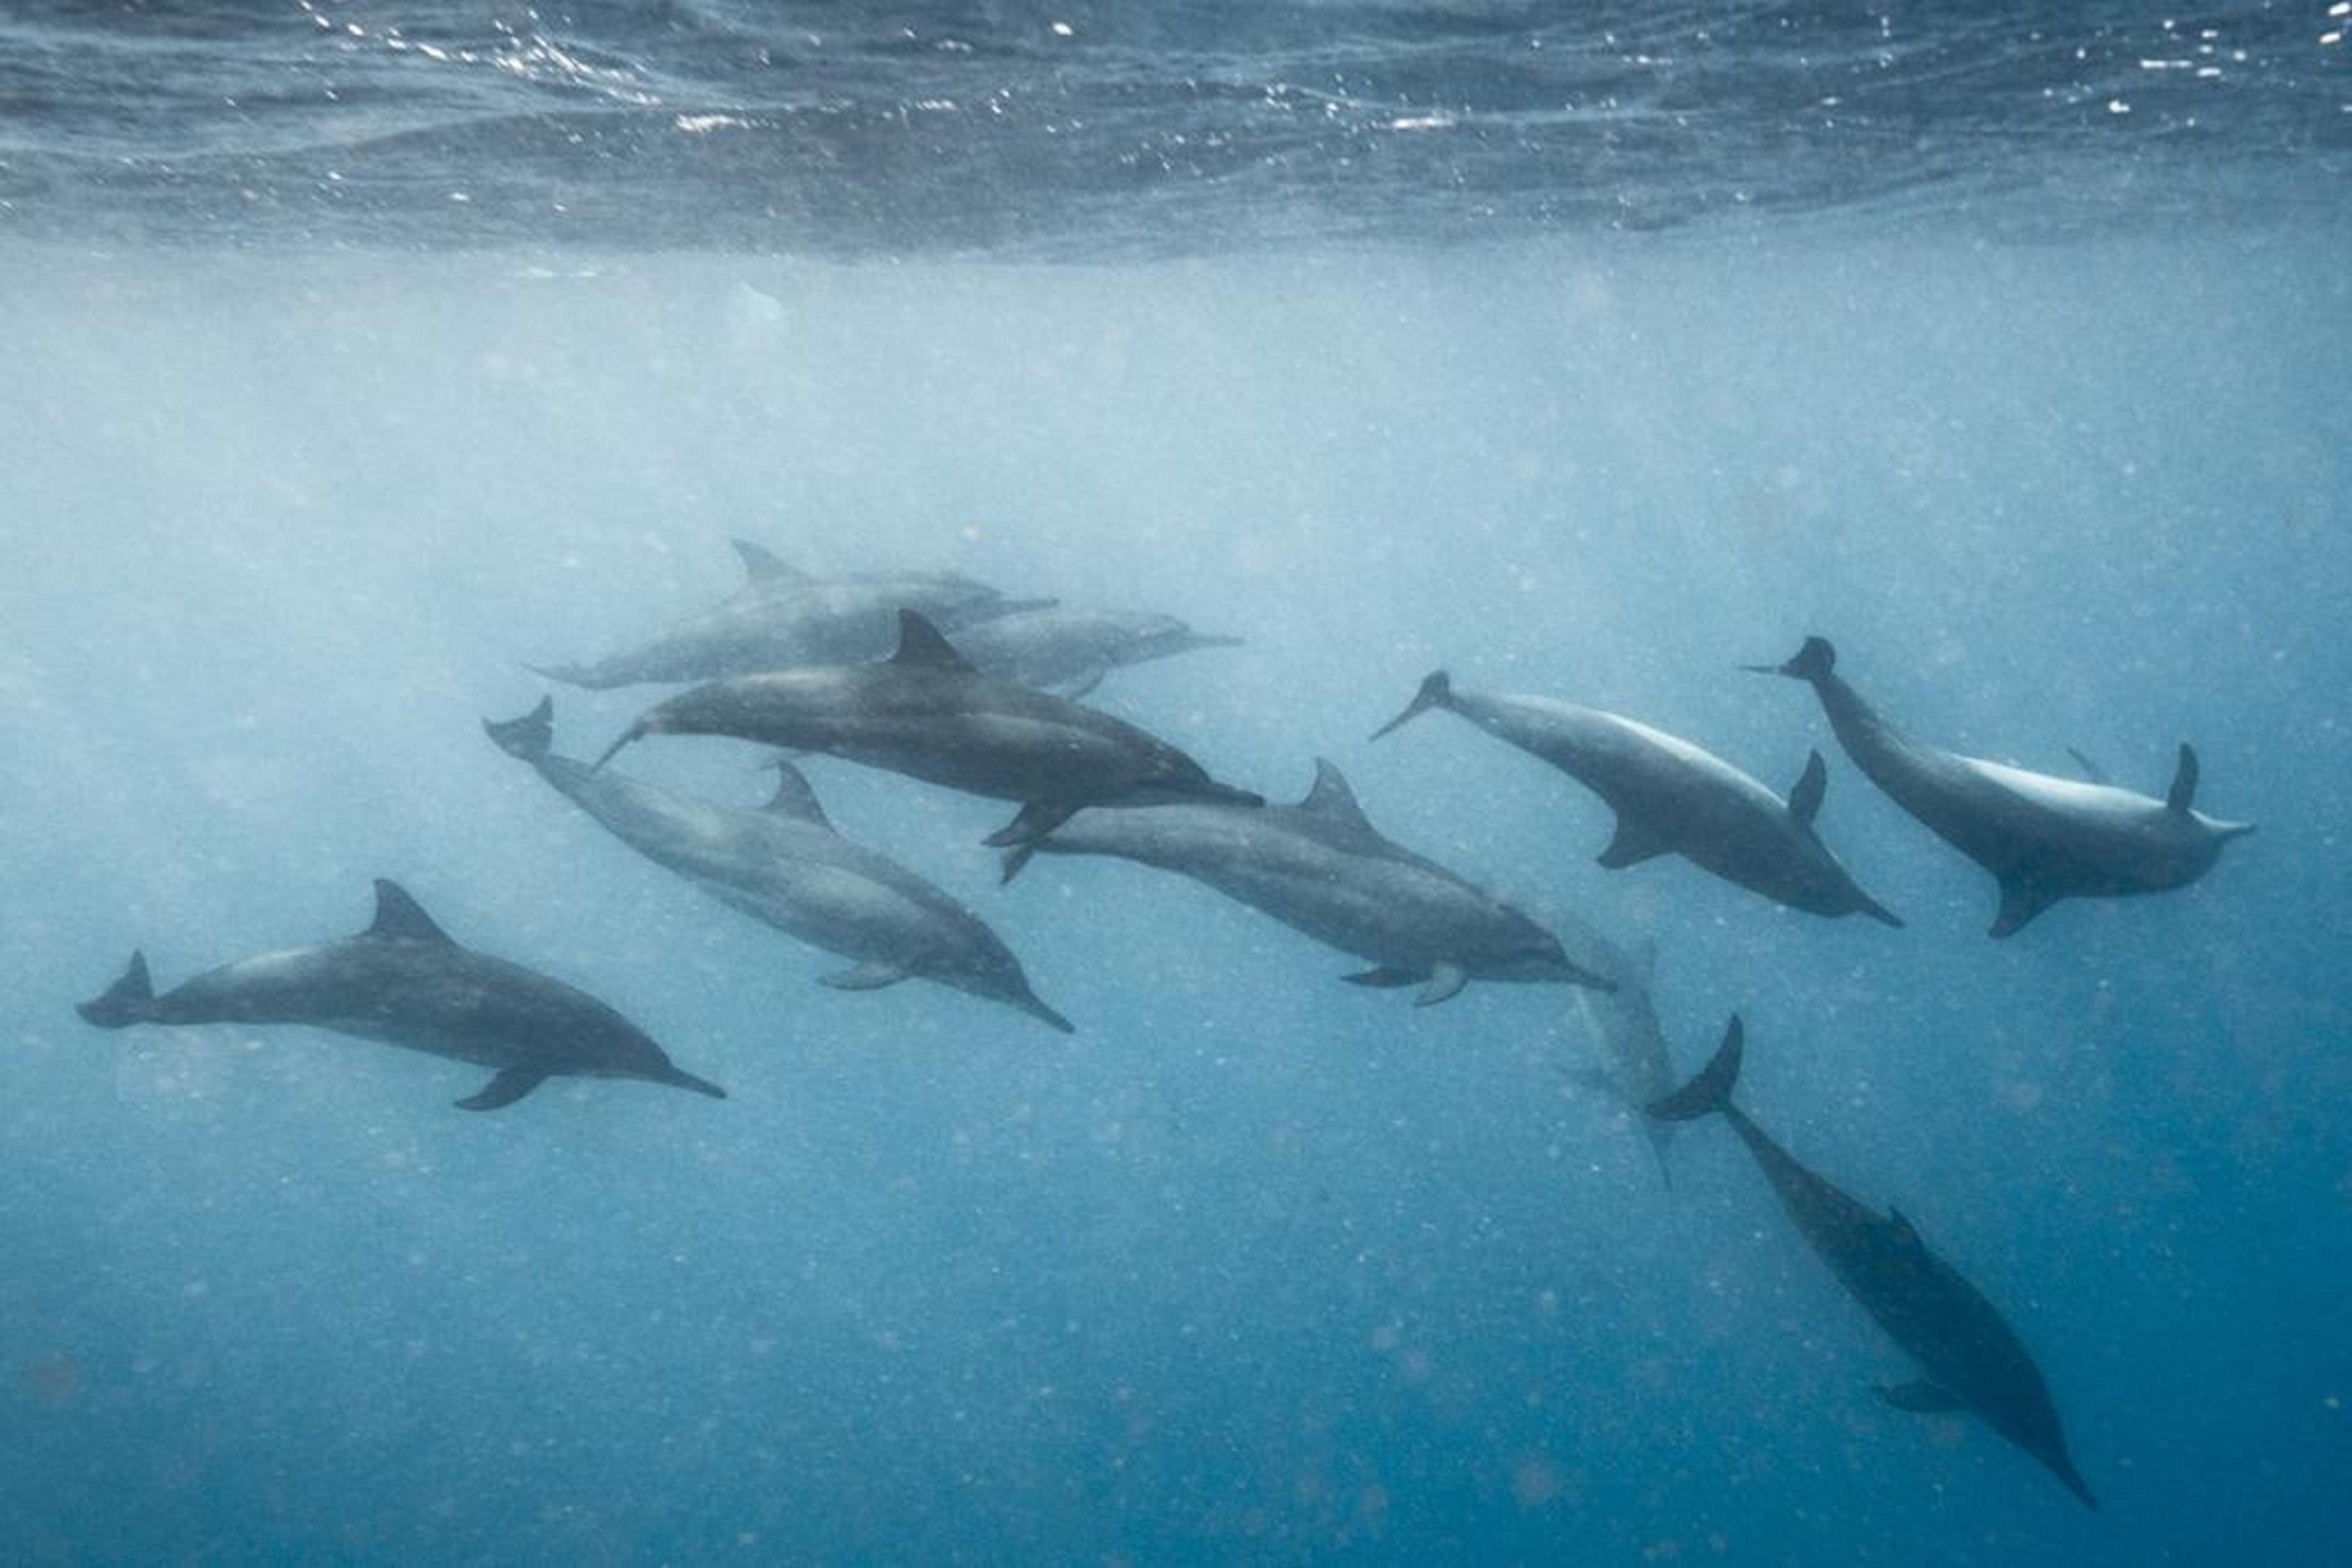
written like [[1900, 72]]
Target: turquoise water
[[1257, 1267]]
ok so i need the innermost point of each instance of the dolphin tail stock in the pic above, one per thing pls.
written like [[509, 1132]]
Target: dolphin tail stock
[[130, 999], [1710, 1093], [1814, 662], [1437, 691], [531, 736]]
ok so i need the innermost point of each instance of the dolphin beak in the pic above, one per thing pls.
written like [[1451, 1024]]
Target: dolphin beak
[[1762, 669]]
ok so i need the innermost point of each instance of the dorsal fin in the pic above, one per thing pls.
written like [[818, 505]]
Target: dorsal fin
[[1904, 1231], [923, 643], [1330, 798], [761, 564], [795, 798], [2183, 793], [1805, 799], [399, 916]]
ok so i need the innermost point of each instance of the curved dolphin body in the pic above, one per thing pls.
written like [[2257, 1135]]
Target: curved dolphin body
[[927, 713], [1672, 798], [1070, 650], [403, 981], [1636, 1067], [2043, 838], [787, 866], [1322, 868], [1970, 1357], [782, 617]]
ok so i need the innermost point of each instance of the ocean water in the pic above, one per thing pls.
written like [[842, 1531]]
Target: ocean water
[[358, 356]]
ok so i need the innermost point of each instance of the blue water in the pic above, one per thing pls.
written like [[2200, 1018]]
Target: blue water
[[2047, 432]]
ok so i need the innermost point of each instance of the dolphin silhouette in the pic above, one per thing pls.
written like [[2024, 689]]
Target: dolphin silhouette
[[403, 982], [1672, 798], [2043, 838], [1971, 1358]]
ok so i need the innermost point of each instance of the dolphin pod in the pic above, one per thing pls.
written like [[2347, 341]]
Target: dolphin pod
[[1672, 798], [2043, 838], [780, 663], [786, 865], [926, 712], [1970, 1357], [405, 982], [1322, 868]]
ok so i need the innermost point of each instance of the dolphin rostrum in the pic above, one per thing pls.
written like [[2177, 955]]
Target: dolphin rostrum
[[1970, 1357], [1322, 868], [1672, 798], [787, 866], [403, 981], [783, 617], [1069, 651], [2043, 838], [927, 713]]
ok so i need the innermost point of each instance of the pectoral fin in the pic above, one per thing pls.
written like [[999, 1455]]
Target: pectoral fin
[[2020, 903], [871, 976], [1036, 819], [1921, 1398], [507, 1088], [1633, 844], [1445, 983]]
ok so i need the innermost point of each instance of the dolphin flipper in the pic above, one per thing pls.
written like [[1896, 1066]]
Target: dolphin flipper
[[2020, 903], [871, 976], [1921, 1398], [1446, 982], [1035, 820], [508, 1087], [1634, 843]]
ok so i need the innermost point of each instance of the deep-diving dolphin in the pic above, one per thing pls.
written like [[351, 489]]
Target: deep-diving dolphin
[[1970, 1358], [1672, 798], [1322, 868], [403, 981], [927, 713], [2043, 838], [1059, 649], [783, 617], [1636, 1067], [787, 866]]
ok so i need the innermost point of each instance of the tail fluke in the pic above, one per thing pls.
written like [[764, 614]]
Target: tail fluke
[[1437, 691], [530, 737], [128, 1000], [1814, 662], [1710, 1092]]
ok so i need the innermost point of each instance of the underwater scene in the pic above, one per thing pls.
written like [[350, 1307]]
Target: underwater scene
[[1132, 784]]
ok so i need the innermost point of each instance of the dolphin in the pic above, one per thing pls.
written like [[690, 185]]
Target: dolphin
[[782, 617], [787, 866], [927, 713], [1320, 867], [1970, 1357], [403, 981], [1070, 650], [2043, 838], [1672, 798], [1636, 1067]]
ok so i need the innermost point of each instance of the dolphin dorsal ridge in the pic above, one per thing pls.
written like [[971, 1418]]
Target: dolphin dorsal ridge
[[399, 917], [2183, 793], [1330, 798], [920, 643], [761, 564], [795, 798], [1805, 799]]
